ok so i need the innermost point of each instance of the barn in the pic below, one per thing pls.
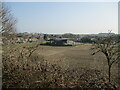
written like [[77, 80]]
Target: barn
[[59, 42]]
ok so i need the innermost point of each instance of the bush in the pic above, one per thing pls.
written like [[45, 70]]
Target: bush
[[21, 71]]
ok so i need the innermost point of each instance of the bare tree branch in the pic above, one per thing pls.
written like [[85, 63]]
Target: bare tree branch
[[8, 23], [109, 47]]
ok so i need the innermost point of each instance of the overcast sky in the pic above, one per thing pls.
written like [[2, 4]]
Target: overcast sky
[[66, 17]]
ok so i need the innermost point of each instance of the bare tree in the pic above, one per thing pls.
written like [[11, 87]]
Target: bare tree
[[7, 29], [109, 46]]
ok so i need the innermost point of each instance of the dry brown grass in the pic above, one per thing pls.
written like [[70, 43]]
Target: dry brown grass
[[55, 67]]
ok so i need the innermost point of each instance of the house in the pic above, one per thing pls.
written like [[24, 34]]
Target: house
[[28, 37]]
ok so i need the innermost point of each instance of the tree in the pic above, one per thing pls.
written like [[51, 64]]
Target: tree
[[110, 48], [45, 37], [7, 29], [86, 40]]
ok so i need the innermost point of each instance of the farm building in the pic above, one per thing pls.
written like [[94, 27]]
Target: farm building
[[58, 42]]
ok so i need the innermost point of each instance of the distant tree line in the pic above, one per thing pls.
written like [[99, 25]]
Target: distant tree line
[[86, 40], [79, 38]]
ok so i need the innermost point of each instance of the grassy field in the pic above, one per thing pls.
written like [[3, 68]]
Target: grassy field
[[71, 57], [75, 57]]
